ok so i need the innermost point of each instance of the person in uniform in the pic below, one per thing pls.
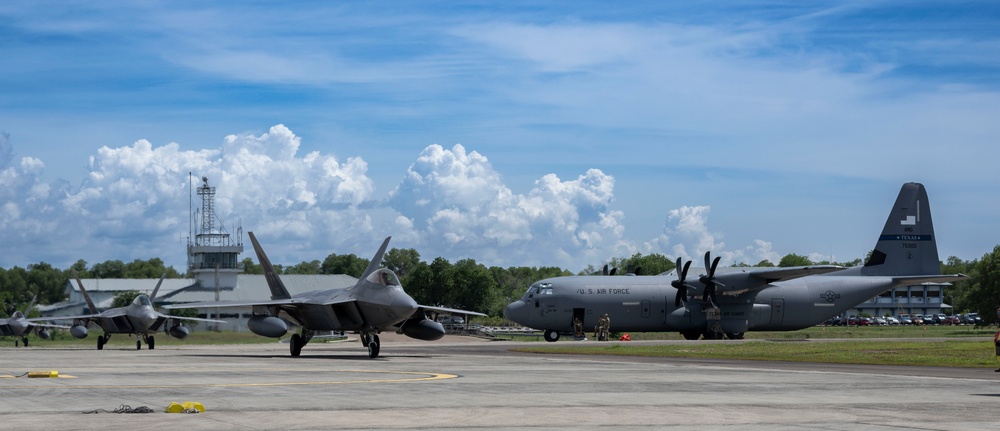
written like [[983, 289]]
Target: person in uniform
[[603, 328], [578, 329]]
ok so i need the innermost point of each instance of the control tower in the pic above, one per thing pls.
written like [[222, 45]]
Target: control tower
[[213, 255]]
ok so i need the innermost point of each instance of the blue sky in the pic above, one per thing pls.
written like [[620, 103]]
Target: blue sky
[[515, 134]]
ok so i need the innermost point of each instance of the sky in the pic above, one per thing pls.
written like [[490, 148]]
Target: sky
[[563, 134]]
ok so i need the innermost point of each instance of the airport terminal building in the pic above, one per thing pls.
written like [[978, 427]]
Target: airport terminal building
[[927, 298]]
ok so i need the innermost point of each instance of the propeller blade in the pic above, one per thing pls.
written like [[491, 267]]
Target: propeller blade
[[613, 271], [711, 286], [605, 272], [679, 284]]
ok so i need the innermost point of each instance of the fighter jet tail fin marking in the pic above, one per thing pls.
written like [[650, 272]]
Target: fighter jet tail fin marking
[[278, 290], [907, 245]]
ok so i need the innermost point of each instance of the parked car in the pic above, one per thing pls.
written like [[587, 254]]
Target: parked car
[[951, 320], [879, 321], [939, 318], [973, 318], [918, 319], [451, 320], [864, 321], [904, 319], [891, 321]]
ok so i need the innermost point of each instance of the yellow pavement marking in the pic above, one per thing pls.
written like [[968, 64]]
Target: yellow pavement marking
[[61, 376], [416, 377]]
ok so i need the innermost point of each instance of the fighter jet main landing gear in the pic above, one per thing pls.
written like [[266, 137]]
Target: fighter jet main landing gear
[[371, 340], [297, 342], [102, 340], [149, 342], [24, 340]]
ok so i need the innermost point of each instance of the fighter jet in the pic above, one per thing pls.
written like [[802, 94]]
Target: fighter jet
[[375, 304], [18, 326], [730, 301], [139, 318]]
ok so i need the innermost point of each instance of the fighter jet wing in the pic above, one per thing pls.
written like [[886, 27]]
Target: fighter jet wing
[[449, 310], [114, 320], [225, 304], [161, 318], [34, 322], [91, 317]]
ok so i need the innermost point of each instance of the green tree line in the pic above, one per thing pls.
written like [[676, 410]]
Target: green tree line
[[465, 284]]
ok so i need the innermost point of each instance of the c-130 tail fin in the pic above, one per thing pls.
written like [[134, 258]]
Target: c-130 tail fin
[[907, 245]]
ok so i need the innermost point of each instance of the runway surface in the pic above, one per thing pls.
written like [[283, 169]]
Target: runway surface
[[460, 384]]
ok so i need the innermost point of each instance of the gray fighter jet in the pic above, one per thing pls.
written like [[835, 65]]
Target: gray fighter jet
[[730, 301], [375, 304], [139, 318], [18, 326]]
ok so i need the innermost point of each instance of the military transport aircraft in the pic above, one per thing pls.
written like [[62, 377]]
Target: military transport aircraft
[[18, 326], [731, 301], [376, 303], [139, 318]]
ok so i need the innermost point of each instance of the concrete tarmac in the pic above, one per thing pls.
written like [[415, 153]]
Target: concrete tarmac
[[456, 383]]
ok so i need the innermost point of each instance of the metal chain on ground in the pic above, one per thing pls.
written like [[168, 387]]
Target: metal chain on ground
[[123, 409]]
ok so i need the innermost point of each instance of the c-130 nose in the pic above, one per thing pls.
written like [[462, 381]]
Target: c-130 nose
[[515, 311]]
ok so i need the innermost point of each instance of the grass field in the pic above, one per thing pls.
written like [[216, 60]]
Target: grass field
[[947, 346]]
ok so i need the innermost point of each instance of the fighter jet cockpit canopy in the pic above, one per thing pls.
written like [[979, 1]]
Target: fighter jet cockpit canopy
[[142, 300], [384, 277], [540, 288]]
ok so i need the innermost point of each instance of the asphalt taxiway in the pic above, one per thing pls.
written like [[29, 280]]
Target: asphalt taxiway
[[461, 384]]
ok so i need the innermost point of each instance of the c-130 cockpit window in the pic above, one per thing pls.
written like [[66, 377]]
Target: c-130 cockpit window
[[539, 289]]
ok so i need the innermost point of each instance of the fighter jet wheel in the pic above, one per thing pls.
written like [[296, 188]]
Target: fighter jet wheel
[[100, 343], [551, 336], [373, 349], [735, 335], [138, 344], [25, 341], [295, 345], [150, 342]]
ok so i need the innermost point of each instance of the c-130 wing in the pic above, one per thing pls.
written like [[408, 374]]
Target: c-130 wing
[[743, 280]]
